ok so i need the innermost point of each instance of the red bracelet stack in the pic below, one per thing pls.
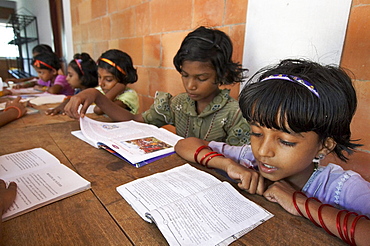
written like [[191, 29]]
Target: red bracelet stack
[[346, 235], [199, 150], [205, 156], [209, 155]]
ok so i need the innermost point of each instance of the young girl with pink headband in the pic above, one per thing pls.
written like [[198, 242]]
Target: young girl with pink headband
[[81, 74]]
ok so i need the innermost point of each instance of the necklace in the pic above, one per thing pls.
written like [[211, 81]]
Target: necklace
[[209, 128]]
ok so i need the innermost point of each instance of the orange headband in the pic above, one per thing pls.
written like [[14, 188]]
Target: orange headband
[[113, 65], [37, 64]]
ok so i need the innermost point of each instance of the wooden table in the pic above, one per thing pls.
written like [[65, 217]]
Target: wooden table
[[101, 216]]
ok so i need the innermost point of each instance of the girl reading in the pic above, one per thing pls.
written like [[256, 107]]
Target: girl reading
[[299, 112], [204, 110], [81, 74], [115, 72], [47, 66]]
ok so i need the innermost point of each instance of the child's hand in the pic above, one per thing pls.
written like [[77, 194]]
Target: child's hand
[[55, 111], [116, 90], [16, 103], [249, 180], [281, 192], [59, 109], [86, 98], [39, 87], [7, 195]]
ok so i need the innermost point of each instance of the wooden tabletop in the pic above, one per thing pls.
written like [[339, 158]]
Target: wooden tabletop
[[41, 118], [101, 216]]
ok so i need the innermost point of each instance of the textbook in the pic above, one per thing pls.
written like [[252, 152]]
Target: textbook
[[192, 207], [41, 180], [135, 142]]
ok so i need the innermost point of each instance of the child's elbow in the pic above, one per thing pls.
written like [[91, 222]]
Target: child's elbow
[[178, 145]]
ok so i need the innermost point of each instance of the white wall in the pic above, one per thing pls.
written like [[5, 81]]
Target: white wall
[[68, 39], [277, 30]]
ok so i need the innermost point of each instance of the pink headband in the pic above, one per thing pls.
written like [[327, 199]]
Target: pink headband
[[78, 62]]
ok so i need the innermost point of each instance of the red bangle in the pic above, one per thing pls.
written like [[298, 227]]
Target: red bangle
[[19, 110], [295, 201], [204, 157], [353, 226], [339, 228], [344, 227], [199, 150], [308, 210], [319, 214], [209, 158]]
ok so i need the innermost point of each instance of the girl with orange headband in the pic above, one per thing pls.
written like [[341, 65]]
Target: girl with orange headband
[[115, 72], [47, 66]]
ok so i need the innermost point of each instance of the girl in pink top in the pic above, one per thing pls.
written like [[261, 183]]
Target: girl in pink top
[[47, 66]]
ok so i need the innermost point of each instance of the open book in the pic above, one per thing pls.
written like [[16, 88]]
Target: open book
[[134, 142], [192, 207], [41, 180]]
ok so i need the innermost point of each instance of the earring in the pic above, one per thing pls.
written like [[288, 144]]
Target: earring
[[317, 160], [321, 156]]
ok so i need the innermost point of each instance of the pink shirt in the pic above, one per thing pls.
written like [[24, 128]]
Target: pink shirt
[[59, 80]]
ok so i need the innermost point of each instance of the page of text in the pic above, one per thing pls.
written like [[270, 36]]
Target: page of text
[[25, 161], [159, 189], [44, 186], [208, 217]]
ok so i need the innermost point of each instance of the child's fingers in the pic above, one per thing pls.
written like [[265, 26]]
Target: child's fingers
[[2, 184], [82, 109], [12, 186], [71, 109], [261, 185], [17, 99]]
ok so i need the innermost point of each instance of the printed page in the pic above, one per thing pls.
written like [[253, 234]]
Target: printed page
[[208, 217], [134, 141], [40, 187], [159, 189], [24, 161], [48, 98], [21, 91]]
